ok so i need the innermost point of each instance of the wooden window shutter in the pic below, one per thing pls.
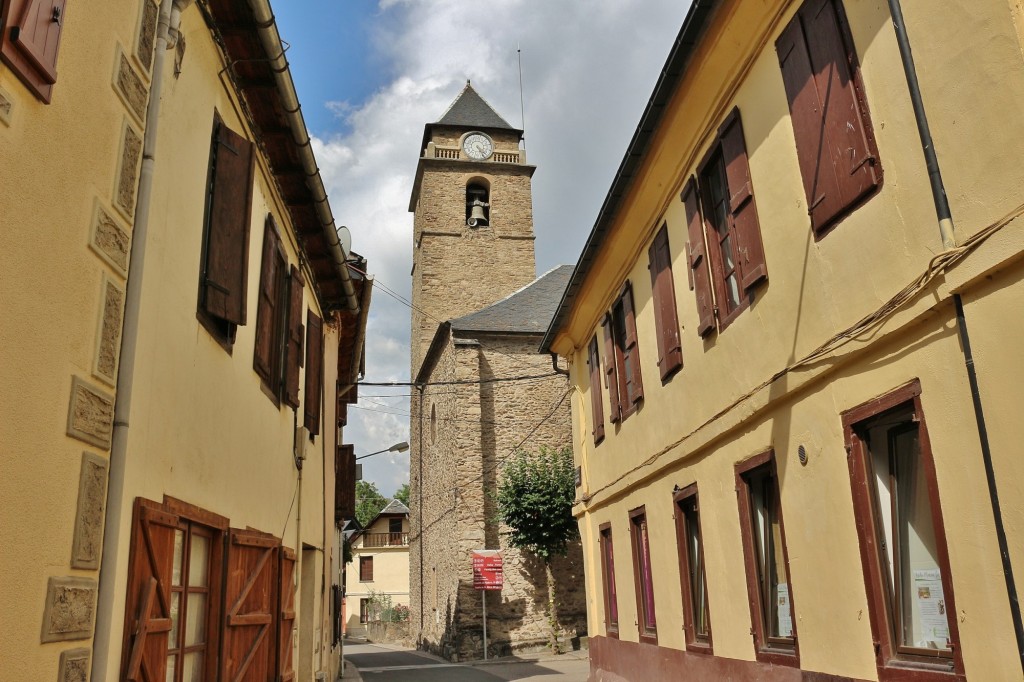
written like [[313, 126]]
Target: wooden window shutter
[[345, 482], [594, 362], [314, 371], [293, 341], [742, 208], [666, 320], [286, 615], [147, 611], [227, 248], [366, 568], [266, 308], [834, 140], [30, 41], [697, 253], [611, 380], [250, 603], [635, 386]]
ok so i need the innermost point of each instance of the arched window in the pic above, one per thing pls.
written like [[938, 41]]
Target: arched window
[[478, 203]]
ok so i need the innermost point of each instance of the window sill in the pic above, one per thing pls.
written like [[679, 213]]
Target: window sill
[[612, 633], [702, 648], [915, 671], [778, 657], [649, 638]]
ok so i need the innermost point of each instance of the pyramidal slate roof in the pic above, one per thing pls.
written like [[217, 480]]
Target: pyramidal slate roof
[[527, 311], [394, 507], [470, 110]]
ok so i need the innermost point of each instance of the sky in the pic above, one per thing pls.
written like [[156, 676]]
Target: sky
[[371, 73]]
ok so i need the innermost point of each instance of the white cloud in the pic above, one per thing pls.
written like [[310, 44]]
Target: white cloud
[[588, 71]]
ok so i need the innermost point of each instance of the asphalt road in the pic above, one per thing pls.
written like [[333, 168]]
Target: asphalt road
[[383, 664]]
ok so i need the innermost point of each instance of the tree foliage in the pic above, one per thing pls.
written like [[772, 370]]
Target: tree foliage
[[369, 502], [535, 496], [402, 494]]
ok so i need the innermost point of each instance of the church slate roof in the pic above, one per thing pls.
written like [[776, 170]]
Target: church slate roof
[[470, 110], [527, 311]]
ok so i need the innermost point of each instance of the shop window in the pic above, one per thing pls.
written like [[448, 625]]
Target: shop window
[[696, 614], [611, 604], [647, 620]]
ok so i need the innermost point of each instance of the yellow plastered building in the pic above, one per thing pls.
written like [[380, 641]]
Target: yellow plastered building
[[377, 578]]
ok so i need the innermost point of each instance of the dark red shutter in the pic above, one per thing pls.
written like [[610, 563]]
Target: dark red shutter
[[345, 482], [314, 371], [293, 349], [594, 362], [742, 208], [635, 387], [250, 603], [366, 569], [266, 307], [666, 320], [227, 249], [698, 265], [147, 611], [31, 38], [611, 380], [834, 142], [286, 615]]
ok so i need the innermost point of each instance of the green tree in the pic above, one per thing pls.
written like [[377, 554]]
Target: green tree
[[535, 497], [369, 502], [402, 494]]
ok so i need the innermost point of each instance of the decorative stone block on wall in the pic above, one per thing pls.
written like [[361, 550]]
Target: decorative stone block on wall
[[108, 341], [6, 107], [127, 171], [74, 666], [109, 239], [70, 607], [147, 35], [128, 84], [92, 503], [90, 414]]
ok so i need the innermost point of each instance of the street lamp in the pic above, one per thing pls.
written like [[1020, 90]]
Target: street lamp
[[397, 447]]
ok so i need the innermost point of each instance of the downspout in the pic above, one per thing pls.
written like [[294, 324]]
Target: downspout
[[947, 233], [267, 31], [419, 504], [167, 34], [554, 364]]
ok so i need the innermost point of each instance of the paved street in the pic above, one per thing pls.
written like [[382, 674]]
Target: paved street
[[378, 663]]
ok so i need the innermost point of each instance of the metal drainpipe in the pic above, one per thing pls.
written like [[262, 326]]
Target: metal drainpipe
[[112, 539], [947, 232]]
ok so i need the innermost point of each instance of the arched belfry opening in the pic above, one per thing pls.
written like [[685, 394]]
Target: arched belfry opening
[[478, 203]]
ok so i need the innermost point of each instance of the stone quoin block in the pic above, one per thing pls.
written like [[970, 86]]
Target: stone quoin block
[[130, 87], [127, 173], [90, 414], [69, 610], [109, 240], [92, 502], [108, 342], [74, 666]]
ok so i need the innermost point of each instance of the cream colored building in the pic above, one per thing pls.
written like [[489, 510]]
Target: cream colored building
[[177, 314], [379, 570], [784, 473]]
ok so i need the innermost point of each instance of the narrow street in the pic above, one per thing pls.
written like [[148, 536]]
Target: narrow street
[[376, 663]]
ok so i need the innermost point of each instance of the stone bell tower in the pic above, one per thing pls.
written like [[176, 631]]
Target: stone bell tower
[[473, 226]]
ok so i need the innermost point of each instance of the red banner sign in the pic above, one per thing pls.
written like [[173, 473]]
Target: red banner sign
[[487, 569]]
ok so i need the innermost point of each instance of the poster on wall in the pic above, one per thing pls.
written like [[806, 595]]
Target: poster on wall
[[931, 609], [784, 610]]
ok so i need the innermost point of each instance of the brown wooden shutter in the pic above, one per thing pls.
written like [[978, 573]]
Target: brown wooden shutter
[[594, 362], [635, 384], [610, 378], [742, 208], [366, 569], [227, 248], [250, 603], [31, 38], [345, 482], [293, 348], [147, 610], [666, 320], [314, 371], [834, 141], [698, 265], [266, 308], [286, 617]]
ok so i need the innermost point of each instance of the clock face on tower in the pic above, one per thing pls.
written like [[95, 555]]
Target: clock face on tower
[[477, 146]]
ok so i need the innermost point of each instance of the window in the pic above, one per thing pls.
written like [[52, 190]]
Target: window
[[366, 569], [902, 542], [666, 320], [835, 143], [225, 254], [364, 610], [622, 357], [597, 408], [314, 372], [767, 565], [720, 210], [696, 617], [611, 603], [278, 352], [648, 623], [478, 206], [394, 525], [30, 40]]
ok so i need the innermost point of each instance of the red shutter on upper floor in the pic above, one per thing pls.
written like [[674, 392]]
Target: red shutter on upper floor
[[597, 409], [286, 615], [314, 372], [250, 602], [345, 482], [666, 320], [834, 141], [634, 384], [610, 378], [30, 42], [266, 307], [698, 265], [293, 341], [227, 247], [742, 207]]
